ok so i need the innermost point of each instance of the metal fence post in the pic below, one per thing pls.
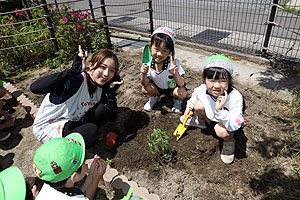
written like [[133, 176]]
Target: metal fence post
[[269, 29], [25, 5], [151, 16], [105, 23], [56, 5], [49, 24], [92, 10]]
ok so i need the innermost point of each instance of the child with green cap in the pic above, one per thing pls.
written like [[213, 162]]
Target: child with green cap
[[217, 104], [13, 185], [60, 163]]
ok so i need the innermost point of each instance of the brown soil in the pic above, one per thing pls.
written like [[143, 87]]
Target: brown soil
[[262, 168]]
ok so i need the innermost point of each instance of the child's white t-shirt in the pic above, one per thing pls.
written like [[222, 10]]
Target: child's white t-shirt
[[49, 193], [164, 79], [231, 116]]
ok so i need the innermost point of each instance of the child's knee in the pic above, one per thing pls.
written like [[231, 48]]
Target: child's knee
[[149, 90], [222, 132], [180, 93], [199, 106], [144, 91]]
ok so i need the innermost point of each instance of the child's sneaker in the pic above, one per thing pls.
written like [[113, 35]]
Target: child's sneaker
[[4, 136], [194, 121], [150, 104], [177, 105], [227, 153]]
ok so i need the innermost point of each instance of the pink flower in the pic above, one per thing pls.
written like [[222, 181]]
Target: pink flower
[[87, 12], [83, 27], [44, 21], [55, 9], [78, 27], [65, 19], [63, 5], [75, 14]]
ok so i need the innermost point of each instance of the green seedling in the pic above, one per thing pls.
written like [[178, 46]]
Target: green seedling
[[108, 161], [158, 142]]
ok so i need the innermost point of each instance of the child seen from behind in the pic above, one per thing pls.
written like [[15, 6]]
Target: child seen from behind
[[165, 74], [60, 163], [217, 104]]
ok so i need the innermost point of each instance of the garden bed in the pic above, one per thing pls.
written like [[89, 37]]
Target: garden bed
[[262, 168]]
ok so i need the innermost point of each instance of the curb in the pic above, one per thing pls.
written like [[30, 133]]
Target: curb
[[112, 180], [30, 107]]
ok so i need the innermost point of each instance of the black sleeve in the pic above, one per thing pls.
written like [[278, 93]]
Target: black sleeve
[[107, 89], [111, 94], [54, 83]]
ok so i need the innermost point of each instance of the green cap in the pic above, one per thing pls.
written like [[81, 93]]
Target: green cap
[[219, 61], [12, 184], [59, 158]]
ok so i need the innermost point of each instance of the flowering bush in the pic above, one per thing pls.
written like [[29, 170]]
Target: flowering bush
[[71, 29]]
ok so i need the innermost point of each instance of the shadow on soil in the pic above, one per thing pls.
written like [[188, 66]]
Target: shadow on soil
[[20, 123], [274, 184], [6, 161], [126, 125], [289, 82], [240, 143], [289, 70], [271, 147]]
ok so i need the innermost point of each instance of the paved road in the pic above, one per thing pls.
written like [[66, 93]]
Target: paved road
[[243, 17], [237, 24]]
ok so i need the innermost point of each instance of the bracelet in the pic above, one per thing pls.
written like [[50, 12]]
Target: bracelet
[[144, 73]]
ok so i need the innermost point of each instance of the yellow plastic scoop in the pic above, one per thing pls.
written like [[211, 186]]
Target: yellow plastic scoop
[[181, 127]]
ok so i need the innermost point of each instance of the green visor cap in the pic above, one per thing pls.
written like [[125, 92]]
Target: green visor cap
[[12, 184], [59, 158], [219, 61]]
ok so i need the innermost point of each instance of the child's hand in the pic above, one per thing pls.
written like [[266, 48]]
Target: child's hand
[[98, 168], [144, 69], [221, 100], [187, 110], [83, 57], [173, 68]]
